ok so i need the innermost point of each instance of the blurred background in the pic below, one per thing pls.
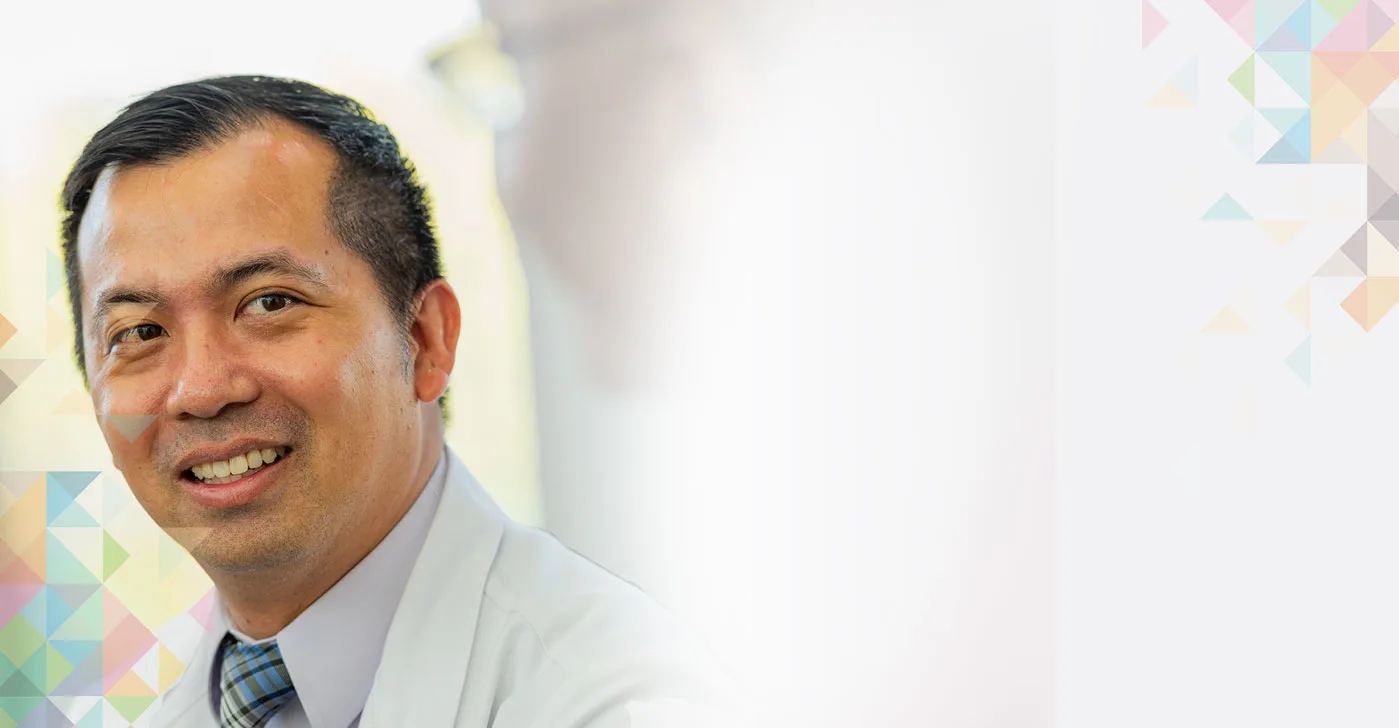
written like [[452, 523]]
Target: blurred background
[[760, 314]]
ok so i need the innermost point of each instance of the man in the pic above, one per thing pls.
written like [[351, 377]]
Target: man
[[252, 268]]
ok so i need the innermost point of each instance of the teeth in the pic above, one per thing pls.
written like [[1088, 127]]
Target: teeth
[[238, 466]]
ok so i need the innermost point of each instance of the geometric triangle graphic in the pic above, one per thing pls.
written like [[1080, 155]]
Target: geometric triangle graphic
[[1300, 361], [1351, 33], [1382, 259], [65, 568], [1153, 22], [7, 330], [54, 278], [73, 483], [130, 707], [1379, 24], [1294, 68], [1170, 96], [19, 370], [1357, 248], [1339, 266], [84, 626], [1294, 34], [1387, 42], [1271, 90], [76, 402], [73, 516], [1242, 137], [1226, 208], [1371, 301], [1282, 232], [1295, 145], [1338, 9], [1187, 79], [1242, 79], [1236, 13], [130, 426], [1269, 16], [1389, 210], [113, 555], [1227, 321], [7, 387], [1300, 305]]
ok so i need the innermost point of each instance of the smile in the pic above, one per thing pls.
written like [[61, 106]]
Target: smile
[[220, 472]]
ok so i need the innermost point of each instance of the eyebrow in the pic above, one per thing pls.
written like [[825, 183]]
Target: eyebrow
[[277, 262]]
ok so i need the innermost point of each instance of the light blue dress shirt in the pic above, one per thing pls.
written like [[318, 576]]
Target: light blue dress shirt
[[332, 649]]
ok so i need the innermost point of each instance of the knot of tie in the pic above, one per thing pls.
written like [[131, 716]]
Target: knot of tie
[[255, 684]]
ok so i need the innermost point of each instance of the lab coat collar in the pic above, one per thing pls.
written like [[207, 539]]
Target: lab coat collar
[[423, 672]]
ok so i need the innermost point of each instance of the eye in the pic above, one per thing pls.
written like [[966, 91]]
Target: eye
[[271, 303], [135, 334]]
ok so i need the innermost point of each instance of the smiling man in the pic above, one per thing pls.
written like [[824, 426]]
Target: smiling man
[[252, 267]]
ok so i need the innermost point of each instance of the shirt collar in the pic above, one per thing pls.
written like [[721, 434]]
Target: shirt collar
[[332, 650]]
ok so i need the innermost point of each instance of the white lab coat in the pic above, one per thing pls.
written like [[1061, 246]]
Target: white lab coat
[[502, 626]]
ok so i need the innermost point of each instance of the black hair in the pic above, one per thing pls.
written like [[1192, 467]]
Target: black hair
[[377, 207]]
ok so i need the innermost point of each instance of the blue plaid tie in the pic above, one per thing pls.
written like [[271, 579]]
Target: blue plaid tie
[[255, 683]]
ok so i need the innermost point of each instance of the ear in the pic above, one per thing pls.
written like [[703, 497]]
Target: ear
[[435, 330]]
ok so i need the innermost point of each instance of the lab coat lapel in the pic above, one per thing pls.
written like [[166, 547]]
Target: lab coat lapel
[[186, 703], [423, 669]]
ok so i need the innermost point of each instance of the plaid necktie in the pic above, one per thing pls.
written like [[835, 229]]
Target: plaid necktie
[[255, 683]]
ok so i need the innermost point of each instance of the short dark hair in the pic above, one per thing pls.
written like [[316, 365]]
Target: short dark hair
[[377, 206]]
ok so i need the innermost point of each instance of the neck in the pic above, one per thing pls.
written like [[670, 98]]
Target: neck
[[262, 602]]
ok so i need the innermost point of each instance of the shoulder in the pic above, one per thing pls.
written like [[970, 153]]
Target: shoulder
[[577, 646]]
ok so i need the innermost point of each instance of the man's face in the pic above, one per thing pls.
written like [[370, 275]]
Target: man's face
[[218, 304]]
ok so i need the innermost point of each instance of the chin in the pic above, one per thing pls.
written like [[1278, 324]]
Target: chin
[[232, 553]]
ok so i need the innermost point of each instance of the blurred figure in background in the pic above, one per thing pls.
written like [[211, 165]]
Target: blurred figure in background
[[793, 334], [624, 99]]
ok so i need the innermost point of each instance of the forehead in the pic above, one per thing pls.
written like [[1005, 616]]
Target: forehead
[[264, 188]]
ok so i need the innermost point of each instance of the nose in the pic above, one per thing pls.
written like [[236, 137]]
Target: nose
[[211, 377]]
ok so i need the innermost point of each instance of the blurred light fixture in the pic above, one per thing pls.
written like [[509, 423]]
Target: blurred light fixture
[[480, 76]]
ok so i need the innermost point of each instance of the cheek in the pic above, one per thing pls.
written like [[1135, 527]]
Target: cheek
[[345, 382]]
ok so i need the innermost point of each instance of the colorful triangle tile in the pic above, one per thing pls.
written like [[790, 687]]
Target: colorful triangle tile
[[113, 555], [1170, 96], [1338, 9], [1227, 321], [64, 567], [1378, 24], [74, 516], [1269, 15], [18, 370], [7, 331], [1284, 153], [130, 426], [1153, 22], [1355, 248], [1226, 208], [1242, 79], [1339, 266], [85, 678], [130, 708], [73, 482], [1350, 34], [1300, 305], [14, 597], [1294, 68]]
